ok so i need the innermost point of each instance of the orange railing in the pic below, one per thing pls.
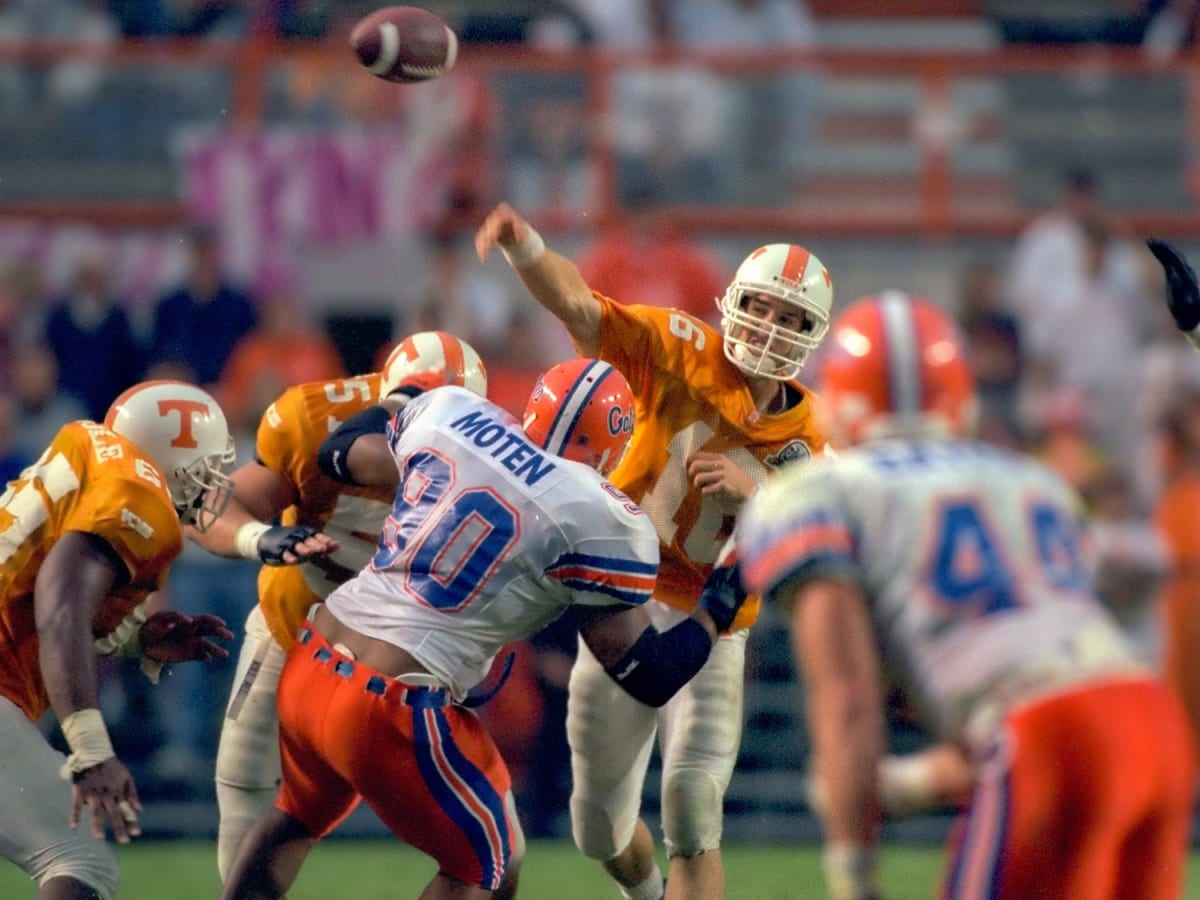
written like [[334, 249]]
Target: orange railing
[[935, 209]]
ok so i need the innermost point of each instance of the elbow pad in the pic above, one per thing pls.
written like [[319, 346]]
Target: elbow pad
[[333, 456], [661, 662]]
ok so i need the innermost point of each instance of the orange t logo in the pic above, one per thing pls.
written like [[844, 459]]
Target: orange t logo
[[186, 409]]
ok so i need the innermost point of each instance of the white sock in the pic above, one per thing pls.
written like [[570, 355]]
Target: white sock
[[650, 889]]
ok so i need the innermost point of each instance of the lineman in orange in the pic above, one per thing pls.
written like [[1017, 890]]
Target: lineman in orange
[[87, 533], [716, 412], [284, 480]]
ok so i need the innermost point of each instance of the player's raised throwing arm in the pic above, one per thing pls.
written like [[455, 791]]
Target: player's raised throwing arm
[[553, 280]]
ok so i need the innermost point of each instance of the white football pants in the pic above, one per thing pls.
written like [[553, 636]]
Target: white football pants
[[611, 736]]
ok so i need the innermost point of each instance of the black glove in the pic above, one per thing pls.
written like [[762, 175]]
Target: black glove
[[1183, 293], [722, 595], [283, 539]]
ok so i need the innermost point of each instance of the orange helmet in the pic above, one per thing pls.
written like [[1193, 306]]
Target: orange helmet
[[582, 410], [432, 359], [895, 366]]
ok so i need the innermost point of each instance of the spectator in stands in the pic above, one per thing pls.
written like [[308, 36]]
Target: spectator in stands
[[41, 408], [644, 258], [993, 335], [13, 458], [1131, 557], [285, 349], [92, 339], [773, 112], [22, 307], [207, 305]]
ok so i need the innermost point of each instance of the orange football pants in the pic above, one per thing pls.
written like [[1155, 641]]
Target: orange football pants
[[1086, 795], [428, 768]]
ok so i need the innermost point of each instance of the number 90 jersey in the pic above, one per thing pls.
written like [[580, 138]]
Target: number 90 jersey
[[289, 435], [970, 559], [688, 397], [93, 481], [489, 540]]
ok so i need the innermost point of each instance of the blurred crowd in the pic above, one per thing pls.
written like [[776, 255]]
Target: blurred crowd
[[1077, 360]]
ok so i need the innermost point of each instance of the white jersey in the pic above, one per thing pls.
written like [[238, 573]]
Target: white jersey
[[489, 540], [969, 555]]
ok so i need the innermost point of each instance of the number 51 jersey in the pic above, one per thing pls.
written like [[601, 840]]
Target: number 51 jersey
[[490, 539], [969, 556]]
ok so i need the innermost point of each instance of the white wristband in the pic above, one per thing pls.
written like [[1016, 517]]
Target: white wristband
[[849, 871], [245, 539], [88, 739], [526, 251]]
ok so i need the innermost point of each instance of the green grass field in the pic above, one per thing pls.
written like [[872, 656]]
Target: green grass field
[[376, 870]]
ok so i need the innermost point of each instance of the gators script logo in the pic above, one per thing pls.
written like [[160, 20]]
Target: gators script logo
[[620, 421]]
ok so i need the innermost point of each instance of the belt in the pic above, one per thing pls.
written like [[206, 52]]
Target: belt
[[417, 696]]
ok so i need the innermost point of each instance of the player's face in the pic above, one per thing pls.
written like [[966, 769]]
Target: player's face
[[773, 313]]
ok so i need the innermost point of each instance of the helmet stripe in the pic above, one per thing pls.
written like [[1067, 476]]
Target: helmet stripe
[[572, 406], [453, 354], [795, 263], [900, 339]]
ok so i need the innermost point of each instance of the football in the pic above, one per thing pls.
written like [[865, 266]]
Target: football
[[404, 44]]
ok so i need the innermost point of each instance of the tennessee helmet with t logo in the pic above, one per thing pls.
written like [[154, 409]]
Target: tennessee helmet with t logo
[[582, 410], [431, 359], [776, 311], [183, 431], [895, 366]]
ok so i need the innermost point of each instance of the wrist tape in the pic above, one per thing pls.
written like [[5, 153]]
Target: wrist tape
[[88, 739], [526, 251], [245, 539]]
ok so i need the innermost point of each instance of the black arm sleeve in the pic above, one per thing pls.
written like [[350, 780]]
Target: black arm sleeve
[[335, 449], [661, 662]]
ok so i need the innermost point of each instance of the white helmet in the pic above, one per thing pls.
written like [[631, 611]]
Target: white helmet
[[791, 275], [432, 359], [182, 429]]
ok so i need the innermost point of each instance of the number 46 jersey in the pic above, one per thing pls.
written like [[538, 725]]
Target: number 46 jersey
[[970, 558]]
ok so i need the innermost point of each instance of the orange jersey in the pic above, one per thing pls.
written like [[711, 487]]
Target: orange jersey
[[688, 398], [289, 435], [88, 480]]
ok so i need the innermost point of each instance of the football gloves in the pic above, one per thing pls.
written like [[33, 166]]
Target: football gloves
[[281, 539], [723, 595], [1183, 292]]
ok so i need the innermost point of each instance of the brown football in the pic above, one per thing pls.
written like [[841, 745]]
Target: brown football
[[404, 44]]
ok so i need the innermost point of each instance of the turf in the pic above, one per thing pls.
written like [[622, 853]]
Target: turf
[[375, 870]]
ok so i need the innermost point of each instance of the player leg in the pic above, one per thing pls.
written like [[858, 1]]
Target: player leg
[[314, 796], [611, 736], [701, 733], [67, 863], [437, 780], [248, 769]]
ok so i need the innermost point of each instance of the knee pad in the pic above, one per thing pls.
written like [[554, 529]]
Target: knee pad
[[595, 833], [86, 859], [692, 809]]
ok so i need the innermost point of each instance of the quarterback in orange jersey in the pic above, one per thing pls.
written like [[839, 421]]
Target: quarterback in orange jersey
[[283, 480], [716, 412], [87, 533]]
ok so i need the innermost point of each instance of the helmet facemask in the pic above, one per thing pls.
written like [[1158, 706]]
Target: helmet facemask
[[202, 491]]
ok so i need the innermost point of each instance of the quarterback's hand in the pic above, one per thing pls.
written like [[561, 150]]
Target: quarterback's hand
[[503, 227], [285, 545], [723, 595], [108, 792], [170, 636], [716, 475], [1183, 292]]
